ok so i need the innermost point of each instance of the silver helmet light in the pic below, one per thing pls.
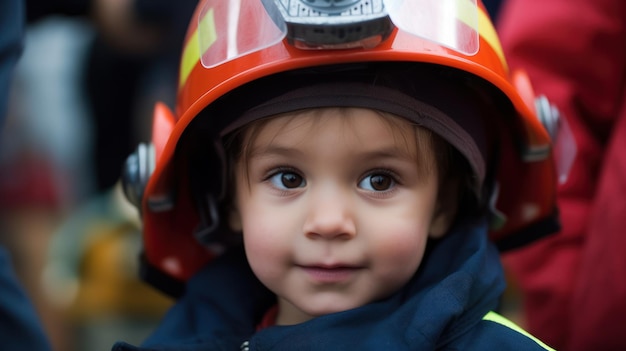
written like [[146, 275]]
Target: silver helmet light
[[333, 24]]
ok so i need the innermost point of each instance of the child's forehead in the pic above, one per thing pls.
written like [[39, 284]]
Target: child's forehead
[[350, 117], [344, 122], [362, 133], [348, 139], [460, 125]]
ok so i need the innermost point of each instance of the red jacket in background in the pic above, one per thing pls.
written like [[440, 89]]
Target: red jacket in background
[[574, 283]]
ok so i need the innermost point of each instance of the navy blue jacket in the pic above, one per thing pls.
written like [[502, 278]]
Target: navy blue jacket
[[20, 327], [446, 306]]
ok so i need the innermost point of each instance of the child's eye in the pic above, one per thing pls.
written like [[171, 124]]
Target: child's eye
[[377, 182], [287, 180]]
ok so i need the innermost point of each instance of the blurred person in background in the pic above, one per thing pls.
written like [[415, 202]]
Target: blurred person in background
[[130, 64], [88, 68], [20, 327], [44, 158], [573, 283]]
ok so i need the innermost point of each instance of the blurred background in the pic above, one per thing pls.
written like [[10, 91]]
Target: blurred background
[[80, 102]]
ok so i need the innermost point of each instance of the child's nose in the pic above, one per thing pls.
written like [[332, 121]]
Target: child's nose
[[330, 215]]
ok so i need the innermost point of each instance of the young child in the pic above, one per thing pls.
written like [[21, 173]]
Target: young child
[[339, 183]]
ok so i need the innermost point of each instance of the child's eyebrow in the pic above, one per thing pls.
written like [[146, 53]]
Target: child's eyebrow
[[388, 152], [275, 150], [395, 154]]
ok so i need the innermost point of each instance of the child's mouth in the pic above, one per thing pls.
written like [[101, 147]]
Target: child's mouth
[[330, 274]]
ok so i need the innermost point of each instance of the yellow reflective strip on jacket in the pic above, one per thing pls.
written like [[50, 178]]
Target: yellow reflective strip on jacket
[[196, 45], [488, 32], [496, 318]]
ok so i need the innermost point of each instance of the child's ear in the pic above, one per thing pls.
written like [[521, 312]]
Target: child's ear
[[234, 220], [446, 210]]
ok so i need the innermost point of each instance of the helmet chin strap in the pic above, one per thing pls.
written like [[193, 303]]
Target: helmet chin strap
[[206, 232], [210, 233]]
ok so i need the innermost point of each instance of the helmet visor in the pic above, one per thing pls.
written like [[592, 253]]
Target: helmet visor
[[450, 23], [234, 28]]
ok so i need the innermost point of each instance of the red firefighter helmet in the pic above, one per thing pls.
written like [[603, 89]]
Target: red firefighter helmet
[[233, 44]]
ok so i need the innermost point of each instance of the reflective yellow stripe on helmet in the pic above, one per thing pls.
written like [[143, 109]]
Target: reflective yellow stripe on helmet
[[488, 32], [194, 48]]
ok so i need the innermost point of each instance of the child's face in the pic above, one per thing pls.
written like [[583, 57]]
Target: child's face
[[335, 208]]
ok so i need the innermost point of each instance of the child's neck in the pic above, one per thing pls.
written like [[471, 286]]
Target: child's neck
[[288, 314]]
